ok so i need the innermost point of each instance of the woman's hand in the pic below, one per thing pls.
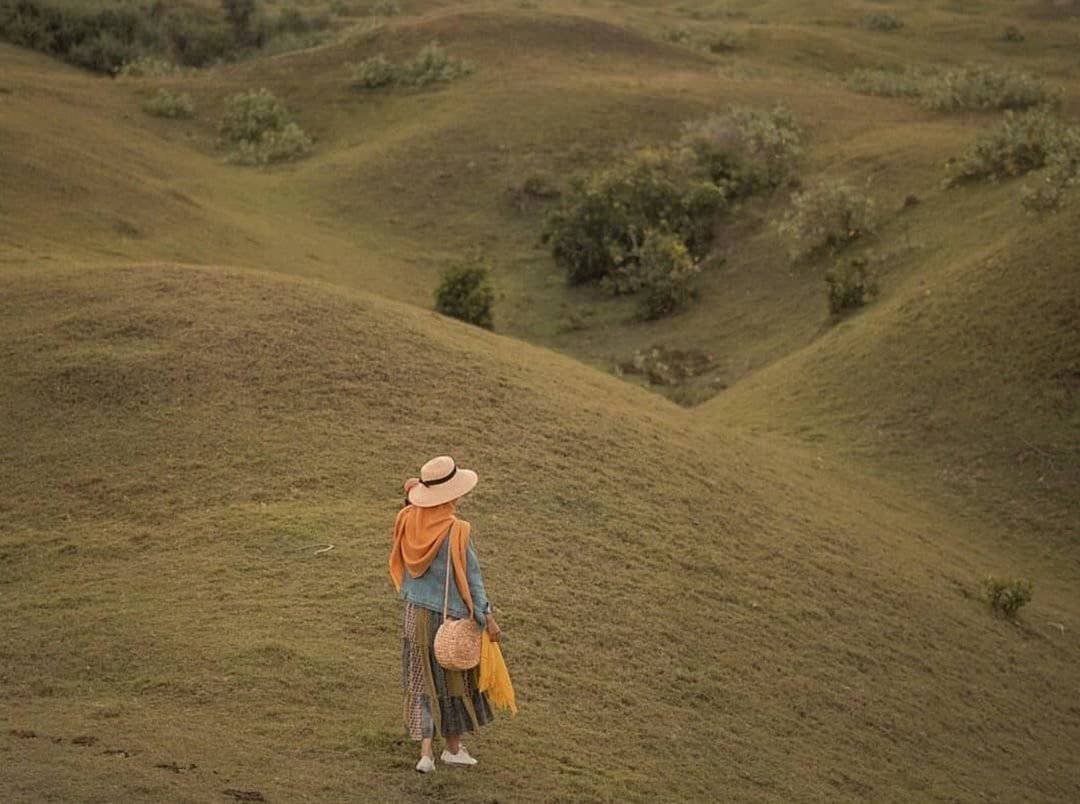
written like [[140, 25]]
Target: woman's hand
[[493, 629]]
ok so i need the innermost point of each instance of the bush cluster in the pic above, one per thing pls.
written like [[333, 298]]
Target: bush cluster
[[600, 226], [1007, 595], [105, 39], [1018, 144], [983, 86], [850, 285], [385, 8], [972, 87], [168, 104], [465, 292], [746, 150], [644, 224], [887, 83], [827, 217], [878, 21], [259, 130], [431, 65], [664, 268]]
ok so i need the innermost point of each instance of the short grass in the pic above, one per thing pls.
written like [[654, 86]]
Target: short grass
[[797, 556], [691, 612]]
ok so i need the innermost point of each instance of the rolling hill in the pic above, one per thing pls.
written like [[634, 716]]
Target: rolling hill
[[690, 610], [211, 372]]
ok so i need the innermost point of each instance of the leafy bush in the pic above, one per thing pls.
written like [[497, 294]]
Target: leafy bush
[[603, 218], [850, 285], [374, 73], [238, 13], [1019, 144], [433, 64], [167, 104], [147, 67], [975, 87], [665, 269], [722, 42], [465, 292], [1062, 173], [746, 150], [887, 83], [195, 38], [1007, 595], [104, 39], [260, 130], [273, 146], [99, 39], [385, 8], [1012, 34], [828, 217], [881, 22]]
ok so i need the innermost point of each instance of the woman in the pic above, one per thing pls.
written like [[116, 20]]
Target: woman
[[426, 533]]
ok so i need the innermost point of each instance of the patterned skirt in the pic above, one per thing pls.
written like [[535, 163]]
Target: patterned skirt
[[437, 701]]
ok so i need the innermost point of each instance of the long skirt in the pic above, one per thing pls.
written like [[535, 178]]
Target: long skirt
[[437, 701]]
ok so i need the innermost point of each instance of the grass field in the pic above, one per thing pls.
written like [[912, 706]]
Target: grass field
[[762, 584]]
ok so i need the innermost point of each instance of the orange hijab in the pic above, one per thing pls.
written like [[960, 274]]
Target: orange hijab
[[418, 535]]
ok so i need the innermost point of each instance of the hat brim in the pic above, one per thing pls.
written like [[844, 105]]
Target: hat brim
[[426, 496]]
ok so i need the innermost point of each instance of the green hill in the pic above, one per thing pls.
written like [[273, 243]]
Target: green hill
[[690, 610], [212, 371]]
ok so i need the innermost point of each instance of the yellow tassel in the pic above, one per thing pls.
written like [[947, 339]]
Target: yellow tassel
[[494, 677]]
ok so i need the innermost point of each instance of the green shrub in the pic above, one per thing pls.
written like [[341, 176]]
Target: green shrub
[[249, 115], [147, 67], [1007, 595], [678, 36], [1018, 144], [99, 39], [602, 220], [195, 38], [465, 292], [168, 104], [746, 150], [887, 83], [273, 146], [881, 22], [665, 269], [980, 87], [239, 13], [850, 285], [828, 217], [722, 42], [1012, 34], [433, 64], [374, 73], [260, 130], [385, 8], [1062, 173]]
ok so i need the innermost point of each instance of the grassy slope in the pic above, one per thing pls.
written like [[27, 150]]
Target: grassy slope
[[158, 412], [963, 380], [690, 611]]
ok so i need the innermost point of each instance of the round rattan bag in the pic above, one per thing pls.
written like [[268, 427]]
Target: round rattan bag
[[457, 642]]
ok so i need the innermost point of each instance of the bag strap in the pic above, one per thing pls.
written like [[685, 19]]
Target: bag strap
[[449, 561]]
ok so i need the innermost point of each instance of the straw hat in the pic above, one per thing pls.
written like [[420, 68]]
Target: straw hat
[[441, 480]]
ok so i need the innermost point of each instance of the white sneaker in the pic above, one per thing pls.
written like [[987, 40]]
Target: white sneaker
[[460, 758], [426, 764]]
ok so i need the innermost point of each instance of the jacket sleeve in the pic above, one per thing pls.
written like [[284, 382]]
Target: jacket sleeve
[[481, 605]]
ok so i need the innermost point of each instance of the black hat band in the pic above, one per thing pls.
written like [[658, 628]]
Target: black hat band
[[437, 481]]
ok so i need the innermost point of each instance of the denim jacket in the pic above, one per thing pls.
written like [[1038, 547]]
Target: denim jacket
[[427, 589]]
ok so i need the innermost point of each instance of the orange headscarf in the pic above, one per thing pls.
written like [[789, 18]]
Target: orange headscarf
[[418, 536]]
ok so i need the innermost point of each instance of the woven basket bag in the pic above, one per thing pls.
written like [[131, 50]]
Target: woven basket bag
[[457, 642]]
